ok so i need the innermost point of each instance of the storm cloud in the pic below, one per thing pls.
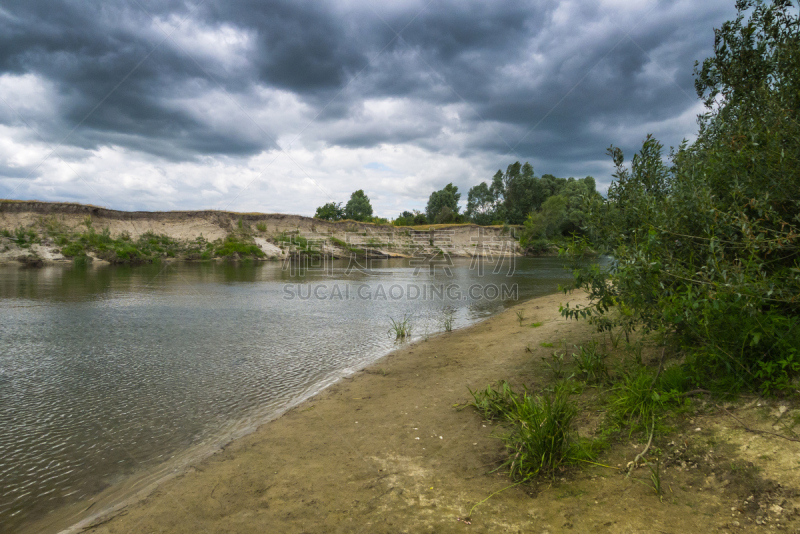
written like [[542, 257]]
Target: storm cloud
[[284, 105]]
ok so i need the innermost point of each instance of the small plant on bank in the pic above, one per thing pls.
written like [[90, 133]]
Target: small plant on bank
[[556, 364], [401, 329], [25, 238], [493, 403], [590, 364], [448, 315], [261, 227], [232, 245], [642, 396], [73, 250], [655, 479], [520, 316], [615, 339], [541, 440]]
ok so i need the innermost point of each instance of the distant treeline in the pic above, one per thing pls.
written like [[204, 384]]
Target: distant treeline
[[546, 205]]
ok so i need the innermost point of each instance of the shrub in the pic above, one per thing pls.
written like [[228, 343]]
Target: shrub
[[541, 439], [232, 245], [73, 250], [25, 238], [707, 248]]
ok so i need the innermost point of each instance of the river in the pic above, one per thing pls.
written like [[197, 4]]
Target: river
[[110, 371]]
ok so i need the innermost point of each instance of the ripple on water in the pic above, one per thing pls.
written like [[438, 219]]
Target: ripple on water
[[107, 372]]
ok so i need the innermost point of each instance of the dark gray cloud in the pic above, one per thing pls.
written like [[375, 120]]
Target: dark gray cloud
[[181, 81]]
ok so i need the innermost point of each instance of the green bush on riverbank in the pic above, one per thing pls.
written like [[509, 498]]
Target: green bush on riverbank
[[706, 250]]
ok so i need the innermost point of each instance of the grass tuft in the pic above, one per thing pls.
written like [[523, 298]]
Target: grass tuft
[[401, 328], [448, 316], [541, 440], [591, 364]]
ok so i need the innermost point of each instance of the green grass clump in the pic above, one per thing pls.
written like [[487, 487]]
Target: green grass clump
[[233, 245], [556, 364], [72, 250], [297, 242], [590, 364], [541, 440], [401, 328], [261, 227], [640, 396], [24, 238], [492, 403]]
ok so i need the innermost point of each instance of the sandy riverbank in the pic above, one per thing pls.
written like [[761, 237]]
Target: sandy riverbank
[[388, 450]]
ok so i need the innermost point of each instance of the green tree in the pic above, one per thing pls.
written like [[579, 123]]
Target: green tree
[[447, 197], [408, 218], [547, 221], [331, 211], [481, 205], [706, 250], [358, 207], [445, 216]]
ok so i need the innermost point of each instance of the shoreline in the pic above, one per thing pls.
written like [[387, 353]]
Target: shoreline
[[394, 447], [136, 486], [328, 417], [138, 491]]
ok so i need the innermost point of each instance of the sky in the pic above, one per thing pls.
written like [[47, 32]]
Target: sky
[[282, 106]]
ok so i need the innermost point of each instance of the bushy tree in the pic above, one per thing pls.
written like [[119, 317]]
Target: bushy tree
[[358, 207], [706, 250], [481, 205], [447, 197], [404, 219], [331, 211], [547, 222], [408, 218]]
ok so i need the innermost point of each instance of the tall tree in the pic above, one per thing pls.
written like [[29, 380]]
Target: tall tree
[[447, 197], [482, 204], [358, 207]]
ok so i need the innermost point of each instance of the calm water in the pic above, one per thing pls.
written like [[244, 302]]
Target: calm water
[[112, 370]]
